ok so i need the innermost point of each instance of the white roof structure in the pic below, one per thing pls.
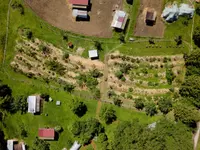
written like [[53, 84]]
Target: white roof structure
[[119, 19], [79, 13], [75, 146], [10, 145], [172, 12], [33, 104], [58, 103], [186, 9], [93, 53]]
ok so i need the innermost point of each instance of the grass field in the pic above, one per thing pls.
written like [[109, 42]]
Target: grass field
[[140, 49]]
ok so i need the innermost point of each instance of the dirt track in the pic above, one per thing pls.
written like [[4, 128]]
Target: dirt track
[[150, 31], [58, 13]]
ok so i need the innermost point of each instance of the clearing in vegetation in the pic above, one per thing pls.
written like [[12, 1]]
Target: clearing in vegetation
[[58, 14], [142, 29]]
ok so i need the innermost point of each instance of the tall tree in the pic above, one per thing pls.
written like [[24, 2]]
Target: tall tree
[[78, 107], [150, 109], [108, 114], [165, 105], [196, 36], [186, 114]]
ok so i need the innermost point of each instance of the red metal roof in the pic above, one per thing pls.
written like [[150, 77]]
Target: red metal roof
[[79, 2], [46, 133]]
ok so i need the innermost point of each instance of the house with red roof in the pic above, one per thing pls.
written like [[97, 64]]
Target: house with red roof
[[77, 4], [46, 134]]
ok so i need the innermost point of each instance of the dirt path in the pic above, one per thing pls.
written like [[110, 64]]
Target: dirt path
[[93, 145], [196, 136], [7, 31], [98, 109]]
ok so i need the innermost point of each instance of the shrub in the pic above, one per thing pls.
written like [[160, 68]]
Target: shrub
[[170, 75], [150, 109], [69, 87], [56, 66], [108, 114], [119, 74], [130, 89], [123, 79], [78, 107], [65, 56], [117, 101], [139, 103], [58, 129]]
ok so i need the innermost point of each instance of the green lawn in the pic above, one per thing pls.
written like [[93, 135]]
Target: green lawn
[[3, 13], [140, 49]]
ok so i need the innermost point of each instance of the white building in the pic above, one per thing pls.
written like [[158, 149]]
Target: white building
[[33, 104], [14, 145], [75, 146], [172, 12], [93, 54], [119, 20], [79, 13]]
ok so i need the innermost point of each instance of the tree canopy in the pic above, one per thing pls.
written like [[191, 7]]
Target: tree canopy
[[186, 114], [150, 109], [40, 145], [108, 114], [165, 105], [78, 107], [196, 36], [86, 130], [165, 136]]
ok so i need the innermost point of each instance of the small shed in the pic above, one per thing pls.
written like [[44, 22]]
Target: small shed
[[93, 54], [33, 104], [46, 134], [15, 145], [80, 13], [151, 16], [75, 146], [119, 20], [58, 103]]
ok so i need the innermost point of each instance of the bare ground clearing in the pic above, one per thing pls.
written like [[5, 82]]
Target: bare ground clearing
[[58, 14], [142, 29]]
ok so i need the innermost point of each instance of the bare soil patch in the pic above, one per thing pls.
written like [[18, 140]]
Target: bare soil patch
[[58, 14], [142, 29]]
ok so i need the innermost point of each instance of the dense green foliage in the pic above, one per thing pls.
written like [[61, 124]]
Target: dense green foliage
[[86, 130], [78, 107], [169, 75], [102, 142], [165, 105], [196, 36], [150, 109], [139, 103], [2, 140], [190, 89], [187, 114], [166, 136], [40, 145], [108, 114], [69, 87]]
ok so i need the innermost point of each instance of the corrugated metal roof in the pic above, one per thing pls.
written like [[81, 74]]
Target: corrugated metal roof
[[79, 2]]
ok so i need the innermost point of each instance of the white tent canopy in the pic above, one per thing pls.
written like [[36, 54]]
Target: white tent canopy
[[172, 12]]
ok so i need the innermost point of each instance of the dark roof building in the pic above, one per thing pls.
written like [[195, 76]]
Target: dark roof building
[[151, 17]]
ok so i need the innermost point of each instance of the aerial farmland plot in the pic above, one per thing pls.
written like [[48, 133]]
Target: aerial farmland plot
[[99, 74]]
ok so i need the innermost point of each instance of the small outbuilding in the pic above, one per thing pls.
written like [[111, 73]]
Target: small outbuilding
[[75, 146], [151, 16], [76, 13], [15, 145], [119, 20], [93, 54], [46, 134], [33, 104]]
